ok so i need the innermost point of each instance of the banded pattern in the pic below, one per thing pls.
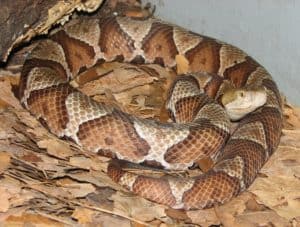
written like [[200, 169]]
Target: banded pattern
[[201, 128]]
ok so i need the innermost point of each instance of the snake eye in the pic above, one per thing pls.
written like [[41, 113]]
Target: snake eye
[[242, 93]]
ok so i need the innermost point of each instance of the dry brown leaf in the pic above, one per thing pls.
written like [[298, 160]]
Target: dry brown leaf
[[98, 163], [56, 148], [106, 220], [12, 195], [137, 207], [83, 215], [11, 191], [283, 175], [253, 205], [33, 219], [284, 199], [283, 170], [4, 161], [203, 217], [261, 218], [3, 104], [48, 163], [31, 157], [76, 189], [51, 190], [4, 199], [97, 178], [6, 94], [82, 162], [177, 214], [116, 77], [25, 117], [292, 115], [226, 214]]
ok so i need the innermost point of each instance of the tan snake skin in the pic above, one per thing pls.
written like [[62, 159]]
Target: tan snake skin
[[202, 125]]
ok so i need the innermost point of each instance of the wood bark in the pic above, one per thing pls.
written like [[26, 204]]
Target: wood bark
[[21, 20]]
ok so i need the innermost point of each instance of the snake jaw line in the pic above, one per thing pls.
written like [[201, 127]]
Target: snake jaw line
[[240, 102]]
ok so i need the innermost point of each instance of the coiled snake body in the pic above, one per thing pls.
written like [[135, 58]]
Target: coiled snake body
[[223, 81]]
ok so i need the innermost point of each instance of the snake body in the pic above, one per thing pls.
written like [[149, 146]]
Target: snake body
[[201, 128]]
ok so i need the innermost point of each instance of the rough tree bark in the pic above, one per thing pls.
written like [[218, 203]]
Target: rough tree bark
[[21, 20]]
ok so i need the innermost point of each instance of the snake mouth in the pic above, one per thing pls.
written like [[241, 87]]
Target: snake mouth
[[242, 110]]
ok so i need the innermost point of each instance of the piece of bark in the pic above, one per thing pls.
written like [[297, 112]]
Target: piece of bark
[[21, 20]]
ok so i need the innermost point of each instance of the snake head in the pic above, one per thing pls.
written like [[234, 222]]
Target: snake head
[[238, 102]]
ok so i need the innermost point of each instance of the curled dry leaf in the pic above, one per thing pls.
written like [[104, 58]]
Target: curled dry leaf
[[137, 207]]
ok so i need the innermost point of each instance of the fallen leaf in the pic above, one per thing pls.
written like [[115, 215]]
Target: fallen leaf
[[56, 148], [283, 170], [33, 219], [106, 220], [76, 189], [292, 117], [83, 215], [261, 218], [4, 199], [137, 207], [6, 94], [4, 161], [98, 163], [203, 217], [81, 162]]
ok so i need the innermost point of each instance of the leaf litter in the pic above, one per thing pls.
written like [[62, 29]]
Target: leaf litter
[[51, 182]]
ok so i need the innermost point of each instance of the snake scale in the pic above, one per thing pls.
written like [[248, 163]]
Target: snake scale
[[223, 81]]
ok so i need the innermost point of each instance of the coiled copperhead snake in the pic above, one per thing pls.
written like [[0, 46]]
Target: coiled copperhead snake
[[225, 83]]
